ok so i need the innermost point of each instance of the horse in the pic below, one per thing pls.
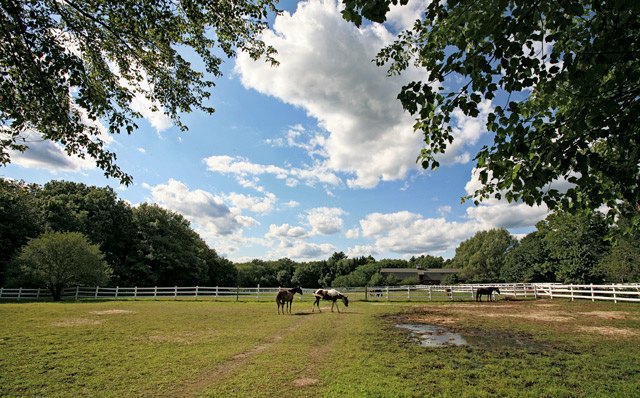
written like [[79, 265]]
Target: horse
[[285, 297], [487, 291], [332, 295], [375, 292]]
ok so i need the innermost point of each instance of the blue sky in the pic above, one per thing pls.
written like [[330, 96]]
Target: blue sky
[[313, 157]]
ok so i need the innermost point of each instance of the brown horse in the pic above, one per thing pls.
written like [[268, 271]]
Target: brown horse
[[285, 297], [332, 295], [487, 291]]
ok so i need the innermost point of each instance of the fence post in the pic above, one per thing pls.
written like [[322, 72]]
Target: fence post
[[237, 293], [37, 294], [452, 289], [135, 293], [366, 289], [515, 290], [571, 287], [95, 296], [430, 293], [19, 293], [216, 293], [155, 293], [116, 296], [175, 293], [1, 289], [196, 293], [593, 299], [77, 291], [258, 292], [387, 293], [615, 296], [408, 293]]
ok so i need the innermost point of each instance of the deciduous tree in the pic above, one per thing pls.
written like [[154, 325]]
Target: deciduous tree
[[481, 257], [564, 78], [20, 220], [576, 243], [67, 65], [57, 260]]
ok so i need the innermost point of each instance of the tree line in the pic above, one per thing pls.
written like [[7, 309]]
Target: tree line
[[93, 237]]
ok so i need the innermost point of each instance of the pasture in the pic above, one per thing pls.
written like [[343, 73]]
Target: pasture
[[528, 348]]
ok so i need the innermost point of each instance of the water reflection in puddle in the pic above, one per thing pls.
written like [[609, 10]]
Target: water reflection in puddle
[[433, 336], [436, 336]]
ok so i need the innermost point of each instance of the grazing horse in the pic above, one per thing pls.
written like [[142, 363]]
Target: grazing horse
[[332, 295], [285, 297], [487, 291]]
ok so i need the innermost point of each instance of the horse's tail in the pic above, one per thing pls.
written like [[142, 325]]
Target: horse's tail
[[279, 297]]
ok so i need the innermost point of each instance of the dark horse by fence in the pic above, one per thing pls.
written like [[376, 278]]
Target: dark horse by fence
[[486, 291], [332, 295], [285, 297]]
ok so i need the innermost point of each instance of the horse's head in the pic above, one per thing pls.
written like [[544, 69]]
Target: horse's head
[[497, 291], [297, 290], [345, 300]]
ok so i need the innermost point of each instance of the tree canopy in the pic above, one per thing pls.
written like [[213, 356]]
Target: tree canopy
[[564, 78], [68, 65], [61, 259]]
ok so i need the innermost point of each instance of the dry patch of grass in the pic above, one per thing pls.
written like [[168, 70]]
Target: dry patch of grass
[[75, 322]]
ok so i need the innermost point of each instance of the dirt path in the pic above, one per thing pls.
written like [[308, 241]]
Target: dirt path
[[219, 372]]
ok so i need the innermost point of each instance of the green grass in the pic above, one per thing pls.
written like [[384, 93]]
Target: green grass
[[231, 349]]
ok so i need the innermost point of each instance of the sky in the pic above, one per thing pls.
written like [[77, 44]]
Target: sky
[[306, 159]]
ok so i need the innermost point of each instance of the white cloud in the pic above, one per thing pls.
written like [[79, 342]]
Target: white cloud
[[49, 155], [410, 233], [353, 233], [494, 213], [361, 251], [285, 231], [326, 69], [262, 205], [208, 212], [403, 17], [325, 221], [302, 251], [507, 215], [247, 173]]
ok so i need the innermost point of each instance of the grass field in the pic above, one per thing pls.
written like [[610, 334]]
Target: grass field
[[244, 349]]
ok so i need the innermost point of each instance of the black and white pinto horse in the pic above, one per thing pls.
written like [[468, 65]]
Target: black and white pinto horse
[[285, 297], [332, 295], [486, 291]]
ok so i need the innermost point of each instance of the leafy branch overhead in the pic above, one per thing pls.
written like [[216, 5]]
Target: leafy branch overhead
[[65, 65], [564, 81]]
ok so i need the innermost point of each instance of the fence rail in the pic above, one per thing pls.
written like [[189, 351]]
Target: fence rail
[[615, 293]]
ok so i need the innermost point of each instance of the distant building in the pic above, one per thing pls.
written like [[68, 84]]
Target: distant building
[[427, 276]]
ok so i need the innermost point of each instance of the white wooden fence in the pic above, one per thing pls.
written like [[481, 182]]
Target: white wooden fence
[[616, 293]]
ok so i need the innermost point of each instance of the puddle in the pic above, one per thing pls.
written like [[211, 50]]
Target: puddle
[[433, 336], [437, 336]]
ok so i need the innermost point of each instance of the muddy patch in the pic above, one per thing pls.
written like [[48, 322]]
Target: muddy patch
[[432, 336], [438, 336]]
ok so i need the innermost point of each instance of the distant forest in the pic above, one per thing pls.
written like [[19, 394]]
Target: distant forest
[[148, 245]]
